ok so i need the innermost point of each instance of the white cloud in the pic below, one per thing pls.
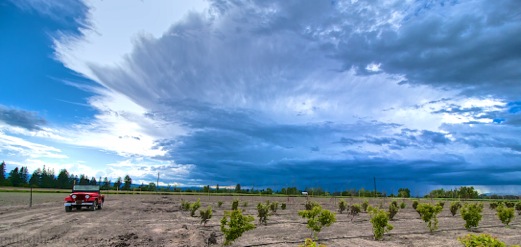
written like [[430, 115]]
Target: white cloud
[[121, 126], [115, 26], [488, 103], [15, 146], [146, 171], [373, 67]]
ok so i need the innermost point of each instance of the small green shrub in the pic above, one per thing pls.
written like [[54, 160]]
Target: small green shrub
[[454, 207], [234, 224], [510, 204], [494, 205], [310, 243], [506, 215], [219, 203], [235, 204], [403, 205], [441, 204], [194, 206], [185, 206], [518, 208], [415, 204], [393, 210], [245, 204], [283, 206], [274, 206], [205, 215], [342, 205], [317, 219], [365, 205], [481, 240], [310, 205], [395, 203], [380, 222], [471, 213], [263, 213], [354, 210], [429, 214]]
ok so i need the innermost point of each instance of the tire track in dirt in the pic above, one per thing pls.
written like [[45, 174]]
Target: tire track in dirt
[[23, 211], [47, 225], [32, 227]]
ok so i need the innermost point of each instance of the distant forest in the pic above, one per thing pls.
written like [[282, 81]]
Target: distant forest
[[45, 178]]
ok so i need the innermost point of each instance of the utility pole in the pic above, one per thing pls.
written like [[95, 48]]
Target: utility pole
[[374, 180], [157, 183], [31, 197]]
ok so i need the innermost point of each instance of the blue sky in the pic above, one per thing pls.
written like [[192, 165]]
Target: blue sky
[[419, 94]]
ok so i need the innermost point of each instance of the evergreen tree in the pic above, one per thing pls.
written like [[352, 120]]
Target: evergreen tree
[[2, 173], [24, 175], [238, 188], [62, 181], [93, 181], [84, 180], [128, 182], [117, 184], [36, 178], [74, 180], [48, 178], [14, 177], [106, 184]]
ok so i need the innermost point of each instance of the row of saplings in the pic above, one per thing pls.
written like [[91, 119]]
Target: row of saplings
[[234, 223]]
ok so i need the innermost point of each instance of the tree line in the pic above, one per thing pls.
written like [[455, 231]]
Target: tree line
[[315, 191], [463, 192], [46, 178]]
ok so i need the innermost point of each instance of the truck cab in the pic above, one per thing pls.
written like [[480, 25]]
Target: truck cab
[[88, 196]]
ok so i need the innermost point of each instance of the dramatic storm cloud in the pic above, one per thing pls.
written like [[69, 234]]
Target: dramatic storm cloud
[[418, 94]]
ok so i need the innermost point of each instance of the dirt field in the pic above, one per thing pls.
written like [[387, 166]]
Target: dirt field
[[155, 220]]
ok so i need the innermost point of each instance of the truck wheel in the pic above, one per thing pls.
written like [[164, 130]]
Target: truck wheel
[[68, 208], [94, 206]]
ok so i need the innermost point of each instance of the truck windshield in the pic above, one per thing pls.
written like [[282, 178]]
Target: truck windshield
[[87, 188]]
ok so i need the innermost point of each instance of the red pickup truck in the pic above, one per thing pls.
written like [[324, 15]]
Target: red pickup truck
[[84, 196]]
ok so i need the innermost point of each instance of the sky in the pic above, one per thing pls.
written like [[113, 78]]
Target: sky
[[330, 94]]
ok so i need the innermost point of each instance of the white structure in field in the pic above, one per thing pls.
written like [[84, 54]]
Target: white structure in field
[[304, 193]]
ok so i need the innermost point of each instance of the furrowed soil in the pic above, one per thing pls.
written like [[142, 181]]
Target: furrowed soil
[[156, 220]]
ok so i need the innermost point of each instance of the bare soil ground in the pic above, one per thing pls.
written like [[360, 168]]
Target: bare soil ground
[[156, 220]]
